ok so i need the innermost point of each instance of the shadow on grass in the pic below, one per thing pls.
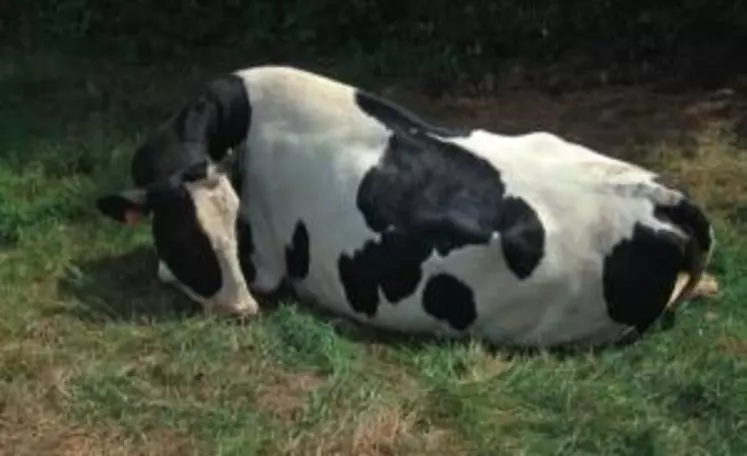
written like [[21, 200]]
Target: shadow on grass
[[361, 333], [123, 287]]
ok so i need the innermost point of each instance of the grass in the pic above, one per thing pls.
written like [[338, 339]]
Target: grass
[[97, 358]]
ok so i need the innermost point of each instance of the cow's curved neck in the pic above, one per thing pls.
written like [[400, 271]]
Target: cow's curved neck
[[218, 118]]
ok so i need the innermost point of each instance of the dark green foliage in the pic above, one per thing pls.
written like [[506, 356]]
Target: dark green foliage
[[437, 38]]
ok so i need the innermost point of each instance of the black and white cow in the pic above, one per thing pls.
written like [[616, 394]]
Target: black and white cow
[[372, 213]]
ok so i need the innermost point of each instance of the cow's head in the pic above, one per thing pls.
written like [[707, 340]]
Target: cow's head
[[194, 213]]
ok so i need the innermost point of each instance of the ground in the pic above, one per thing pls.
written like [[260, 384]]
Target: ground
[[96, 357]]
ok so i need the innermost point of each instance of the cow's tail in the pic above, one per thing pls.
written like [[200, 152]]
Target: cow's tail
[[691, 219]]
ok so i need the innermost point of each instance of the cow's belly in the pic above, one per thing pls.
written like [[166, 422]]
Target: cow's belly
[[555, 305], [324, 287]]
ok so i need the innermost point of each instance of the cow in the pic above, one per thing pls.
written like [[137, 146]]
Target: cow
[[275, 175]]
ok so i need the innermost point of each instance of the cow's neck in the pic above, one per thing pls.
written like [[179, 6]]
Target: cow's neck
[[218, 118]]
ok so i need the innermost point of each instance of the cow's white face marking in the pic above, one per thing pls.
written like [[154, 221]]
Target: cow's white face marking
[[194, 230], [216, 209]]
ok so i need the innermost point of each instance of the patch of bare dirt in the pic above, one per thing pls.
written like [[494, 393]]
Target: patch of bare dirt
[[617, 121], [389, 431], [707, 287], [284, 394], [32, 403], [381, 430], [383, 425], [29, 428], [696, 139], [733, 346]]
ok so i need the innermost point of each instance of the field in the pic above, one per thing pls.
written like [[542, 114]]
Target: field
[[96, 357]]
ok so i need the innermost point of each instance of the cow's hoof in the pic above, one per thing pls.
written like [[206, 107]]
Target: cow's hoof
[[240, 315], [245, 316], [707, 287]]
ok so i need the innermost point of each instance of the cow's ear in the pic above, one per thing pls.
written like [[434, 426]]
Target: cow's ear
[[127, 207]]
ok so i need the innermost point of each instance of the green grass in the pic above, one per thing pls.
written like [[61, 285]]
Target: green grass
[[96, 357]]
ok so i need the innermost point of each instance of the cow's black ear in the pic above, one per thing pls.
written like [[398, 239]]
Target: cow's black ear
[[127, 207]]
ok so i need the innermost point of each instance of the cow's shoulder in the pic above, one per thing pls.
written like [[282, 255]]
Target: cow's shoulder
[[297, 102]]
